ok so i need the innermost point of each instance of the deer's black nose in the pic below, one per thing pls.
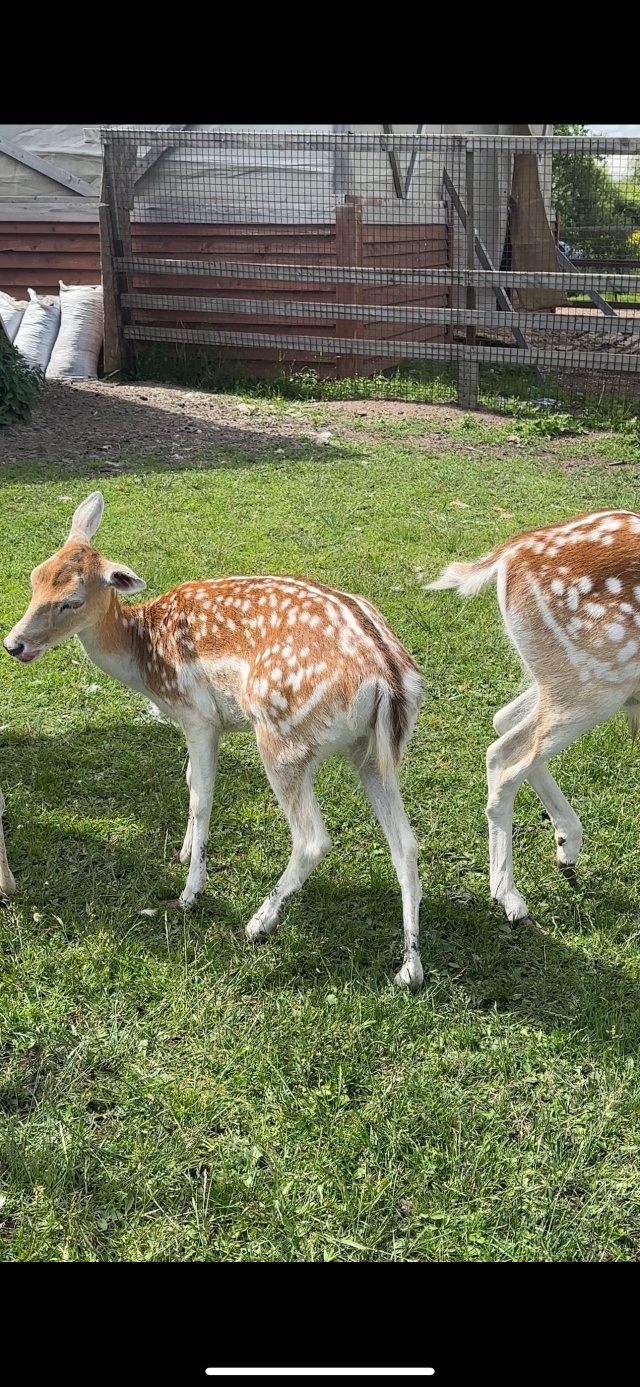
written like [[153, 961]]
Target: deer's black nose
[[13, 647]]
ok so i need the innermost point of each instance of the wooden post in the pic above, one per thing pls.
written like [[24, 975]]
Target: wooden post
[[342, 172], [468, 369], [349, 252], [115, 242], [112, 354]]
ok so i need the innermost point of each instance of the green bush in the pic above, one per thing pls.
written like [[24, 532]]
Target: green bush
[[18, 383]]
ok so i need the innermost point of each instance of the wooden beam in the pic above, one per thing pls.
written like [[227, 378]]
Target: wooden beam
[[558, 360], [119, 163], [152, 156], [49, 209], [580, 323], [342, 164], [412, 164], [32, 161], [397, 181], [502, 299], [112, 346], [349, 252], [482, 253], [574, 283]]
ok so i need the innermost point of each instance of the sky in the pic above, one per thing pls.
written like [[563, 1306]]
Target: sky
[[633, 131]]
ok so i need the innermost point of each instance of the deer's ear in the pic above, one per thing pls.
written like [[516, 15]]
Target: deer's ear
[[87, 517], [122, 578]]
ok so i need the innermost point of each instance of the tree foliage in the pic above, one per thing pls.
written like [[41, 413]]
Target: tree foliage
[[592, 205], [18, 383]]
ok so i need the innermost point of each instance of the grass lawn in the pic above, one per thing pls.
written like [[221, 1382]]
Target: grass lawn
[[170, 1093]]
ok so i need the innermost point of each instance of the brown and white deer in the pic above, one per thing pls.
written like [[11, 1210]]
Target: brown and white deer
[[570, 599], [316, 673], [7, 883]]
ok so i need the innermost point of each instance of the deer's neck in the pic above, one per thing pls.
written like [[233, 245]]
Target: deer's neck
[[114, 642]]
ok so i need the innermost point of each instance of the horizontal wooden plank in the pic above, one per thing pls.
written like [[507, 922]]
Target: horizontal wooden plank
[[403, 350], [35, 244], [39, 277], [194, 208], [325, 365], [185, 284], [402, 232], [231, 231], [49, 209], [373, 251], [240, 228], [239, 255], [221, 246], [58, 260], [341, 274], [420, 296], [25, 260], [422, 259], [557, 323], [423, 296], [47, 229], [261, 323], [185, 288], [263, 235]]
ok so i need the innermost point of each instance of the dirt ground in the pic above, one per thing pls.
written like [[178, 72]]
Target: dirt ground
[[101, 421]]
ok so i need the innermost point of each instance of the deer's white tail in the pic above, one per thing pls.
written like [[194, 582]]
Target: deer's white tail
[[467, 578], [394, 720]]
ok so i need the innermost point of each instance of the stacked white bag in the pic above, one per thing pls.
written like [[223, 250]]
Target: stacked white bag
[[77, 346], [38, 330], [11, 312]]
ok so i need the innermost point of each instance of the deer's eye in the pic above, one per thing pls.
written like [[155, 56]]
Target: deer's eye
[[72, 605]]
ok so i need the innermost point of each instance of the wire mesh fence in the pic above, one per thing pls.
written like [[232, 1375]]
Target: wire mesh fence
[[438, 266]]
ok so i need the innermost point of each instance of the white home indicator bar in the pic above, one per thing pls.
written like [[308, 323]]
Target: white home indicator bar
[[320, 1372]]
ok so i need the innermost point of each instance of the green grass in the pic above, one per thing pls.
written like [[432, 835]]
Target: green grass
[[169, 1093]]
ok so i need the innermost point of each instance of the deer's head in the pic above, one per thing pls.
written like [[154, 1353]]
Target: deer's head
[[70, 591]]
